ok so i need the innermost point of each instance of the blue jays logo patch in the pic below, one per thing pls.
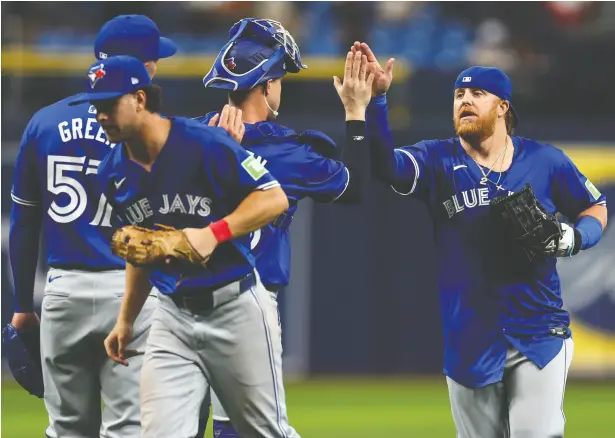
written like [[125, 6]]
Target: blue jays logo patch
[[96, 73], [230, 63]]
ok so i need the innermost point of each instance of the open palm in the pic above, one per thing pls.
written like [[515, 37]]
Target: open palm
[[382, 77]]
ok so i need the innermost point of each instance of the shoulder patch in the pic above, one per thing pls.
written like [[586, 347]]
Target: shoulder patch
[[255, 168], [593, 190]]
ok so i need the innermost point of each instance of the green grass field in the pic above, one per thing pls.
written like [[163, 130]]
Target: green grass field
[[361, 408]]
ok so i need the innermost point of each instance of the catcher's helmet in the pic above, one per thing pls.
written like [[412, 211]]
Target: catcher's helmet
[[258, 50]]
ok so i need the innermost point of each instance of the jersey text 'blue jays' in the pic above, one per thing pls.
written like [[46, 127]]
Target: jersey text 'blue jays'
[[200, 176]]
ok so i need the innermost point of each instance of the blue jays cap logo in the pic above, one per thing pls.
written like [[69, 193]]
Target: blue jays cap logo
[[95, 74], [230, 63]]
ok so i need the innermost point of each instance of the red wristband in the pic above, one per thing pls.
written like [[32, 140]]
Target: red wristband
[[221, 231]]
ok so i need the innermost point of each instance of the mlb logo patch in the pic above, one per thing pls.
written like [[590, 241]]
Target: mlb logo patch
[[230, 63], [96, 73], [466, 79]]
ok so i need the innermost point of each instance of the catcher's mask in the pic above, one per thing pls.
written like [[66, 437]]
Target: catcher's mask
[[258, 50]]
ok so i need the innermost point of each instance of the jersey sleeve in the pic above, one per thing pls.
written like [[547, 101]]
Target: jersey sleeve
[[572, 191], [234, 170], [26, 190], [402, 168], [25, 225], [312, 175], [412, 160]]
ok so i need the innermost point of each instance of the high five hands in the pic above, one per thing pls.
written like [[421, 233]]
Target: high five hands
[[382, 77], [355, 90]]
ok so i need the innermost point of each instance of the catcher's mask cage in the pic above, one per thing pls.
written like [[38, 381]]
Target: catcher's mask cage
[[278, 55]]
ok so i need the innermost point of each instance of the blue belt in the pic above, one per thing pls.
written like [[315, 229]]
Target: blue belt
[[205, 299]]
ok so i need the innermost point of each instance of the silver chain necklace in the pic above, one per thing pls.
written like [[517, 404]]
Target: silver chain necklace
[[485, 179]]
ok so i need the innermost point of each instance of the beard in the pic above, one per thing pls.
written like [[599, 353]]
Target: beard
[[475, 131]]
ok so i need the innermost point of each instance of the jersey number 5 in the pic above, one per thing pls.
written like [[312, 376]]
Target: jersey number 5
[[59, 181]]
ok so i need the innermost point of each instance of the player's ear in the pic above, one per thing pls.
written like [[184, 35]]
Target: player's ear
[[503, 107], [267, 88], [141, 99]]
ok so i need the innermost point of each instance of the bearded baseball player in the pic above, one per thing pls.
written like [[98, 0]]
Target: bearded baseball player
[[55, 191], [215, 325], [493, 198], [302, 163]]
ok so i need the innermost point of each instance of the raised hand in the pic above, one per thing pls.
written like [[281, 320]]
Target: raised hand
[[383, 77], [355, 91]]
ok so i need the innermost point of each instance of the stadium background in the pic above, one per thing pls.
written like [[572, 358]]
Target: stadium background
[[363, 344]]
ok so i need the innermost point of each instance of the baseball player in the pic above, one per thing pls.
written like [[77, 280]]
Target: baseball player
[[215, 324], [507, 342], [55, 189], [302, 163]]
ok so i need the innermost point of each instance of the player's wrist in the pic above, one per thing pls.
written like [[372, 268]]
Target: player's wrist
[[356, 113], [221, 231], [379, 100], [24, 320], [577, 242], [126, 319], [355, 130]]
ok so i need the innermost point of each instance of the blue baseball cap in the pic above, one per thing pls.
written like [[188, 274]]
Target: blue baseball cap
[[490, 79], [113, 77], [134, 35]]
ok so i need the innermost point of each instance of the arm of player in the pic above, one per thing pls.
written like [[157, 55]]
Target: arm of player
[[402, 168], [578, 199], [257, 210], [24, 232], [356, 158], [241, 177], [598, 212], [355, 94], [397, 167], [137, 290]]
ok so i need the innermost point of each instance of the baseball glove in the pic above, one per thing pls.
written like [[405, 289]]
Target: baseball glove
[[23, 352], [144, 247], [527, 222]]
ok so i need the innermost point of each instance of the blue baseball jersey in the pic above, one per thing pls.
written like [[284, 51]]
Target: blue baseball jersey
[[298, 163], [200, 176], [491, 295], [55, 172]]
